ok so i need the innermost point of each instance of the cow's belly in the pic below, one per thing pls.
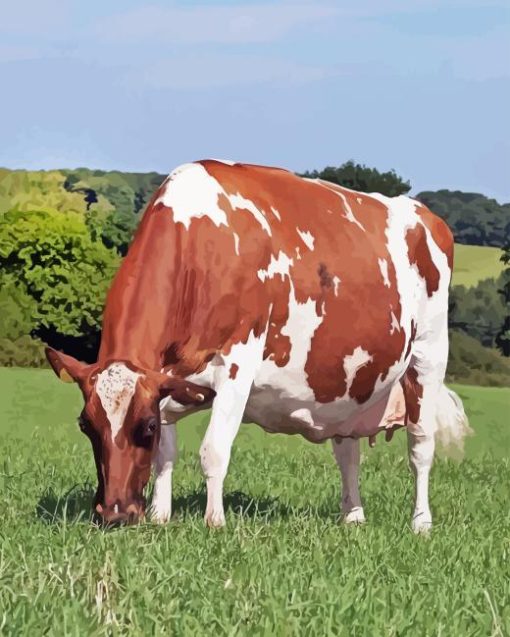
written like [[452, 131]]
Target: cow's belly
[[281, 402]]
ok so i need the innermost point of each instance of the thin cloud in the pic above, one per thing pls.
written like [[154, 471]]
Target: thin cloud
[[214, 71], [240, 24]]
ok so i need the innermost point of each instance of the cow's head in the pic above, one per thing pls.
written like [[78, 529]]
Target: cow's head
[[121, 418]]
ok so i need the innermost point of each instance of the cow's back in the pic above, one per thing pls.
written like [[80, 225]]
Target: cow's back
[[333, 279]]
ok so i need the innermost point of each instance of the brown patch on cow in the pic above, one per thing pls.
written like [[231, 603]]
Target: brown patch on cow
[[412, 336], [325, 278], [440, 232], [419, 254], [413, 392], [234, 368]]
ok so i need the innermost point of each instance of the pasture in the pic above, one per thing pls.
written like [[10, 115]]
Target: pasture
[[475, 263], [283, 565]]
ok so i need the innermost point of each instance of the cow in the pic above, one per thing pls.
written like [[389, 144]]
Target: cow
[[297, 304]]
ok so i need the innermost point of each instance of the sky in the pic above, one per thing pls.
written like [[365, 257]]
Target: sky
[[418, 86]]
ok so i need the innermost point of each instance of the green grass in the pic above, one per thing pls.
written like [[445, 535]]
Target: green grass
[[472, 264], [283, 565]]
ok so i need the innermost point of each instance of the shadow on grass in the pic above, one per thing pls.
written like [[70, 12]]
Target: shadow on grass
[[244, 505], [74, 505]]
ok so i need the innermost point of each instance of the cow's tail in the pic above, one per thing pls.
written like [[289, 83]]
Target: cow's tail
[[452, 424]]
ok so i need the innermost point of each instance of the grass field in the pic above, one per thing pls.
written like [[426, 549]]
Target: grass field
[[283, 566], [474, 263]]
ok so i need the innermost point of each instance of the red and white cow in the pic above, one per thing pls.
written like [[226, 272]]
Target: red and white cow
[[296, 304]]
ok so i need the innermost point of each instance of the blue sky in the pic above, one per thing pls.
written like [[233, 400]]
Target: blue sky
[[421, 86]]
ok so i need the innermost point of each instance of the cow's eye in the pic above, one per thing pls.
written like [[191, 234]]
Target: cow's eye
[[150, 427]]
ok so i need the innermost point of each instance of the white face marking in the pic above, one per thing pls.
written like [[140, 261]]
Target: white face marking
[[298, 254], [353, 362], [115, 387], [280, 265], [307, 237], [276, 213], [336, 283], [383, 266]]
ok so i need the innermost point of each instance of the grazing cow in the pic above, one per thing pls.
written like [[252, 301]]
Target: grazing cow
[[293, 303]]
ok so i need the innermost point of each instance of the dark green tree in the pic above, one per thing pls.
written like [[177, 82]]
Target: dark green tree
[[478, 311], [473, 218], [503, 336], [360, 177]]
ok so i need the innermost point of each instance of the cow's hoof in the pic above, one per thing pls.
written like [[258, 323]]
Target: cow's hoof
[[421, 524], [160, 516], [354, 516], [215, 520]]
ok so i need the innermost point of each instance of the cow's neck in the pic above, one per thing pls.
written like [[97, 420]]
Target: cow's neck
[[138, 324]]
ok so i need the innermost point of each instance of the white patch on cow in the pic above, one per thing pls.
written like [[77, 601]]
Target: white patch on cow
[[298, 254], [289, 381], [281, 265], [348, 210], [383, 266], [240, 202], [336, 283], [236, 243], [354, 362], [307, 237], [395, 325], [192, 193], [276, 213], [115, 387], [228, 162], [359, 200], [304, 416]]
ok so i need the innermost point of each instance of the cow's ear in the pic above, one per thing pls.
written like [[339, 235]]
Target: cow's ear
[[184, 392], [67, 368]]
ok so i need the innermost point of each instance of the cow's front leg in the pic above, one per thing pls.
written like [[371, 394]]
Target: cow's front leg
[[166, 457], [233, 381], [347, 456]]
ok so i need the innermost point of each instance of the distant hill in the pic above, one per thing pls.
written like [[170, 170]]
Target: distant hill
[[472, 264]]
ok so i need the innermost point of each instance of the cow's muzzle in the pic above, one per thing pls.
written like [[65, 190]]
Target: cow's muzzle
[[121, 513]]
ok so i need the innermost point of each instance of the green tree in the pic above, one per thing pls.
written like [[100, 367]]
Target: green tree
[[360, 177], [55, 274], [473, 218], [503, 336], [478, 311]]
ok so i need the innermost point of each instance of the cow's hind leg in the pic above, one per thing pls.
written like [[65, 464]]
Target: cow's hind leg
[[347, 455], [422, 384], [164, 462]]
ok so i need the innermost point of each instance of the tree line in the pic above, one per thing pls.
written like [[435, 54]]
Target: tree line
[[63, 234]]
